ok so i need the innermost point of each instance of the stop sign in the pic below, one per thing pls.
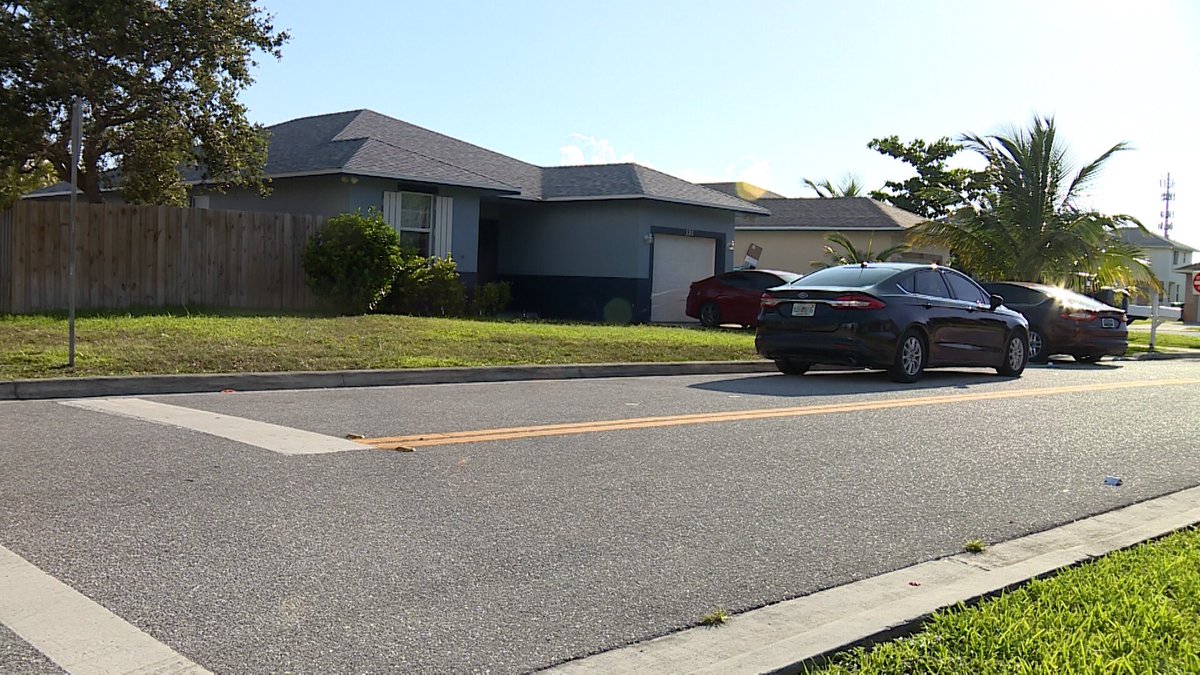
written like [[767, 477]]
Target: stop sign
[[1196, 282]]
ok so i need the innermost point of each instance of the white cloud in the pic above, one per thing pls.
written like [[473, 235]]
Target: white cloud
[[585, 149], [571, 155]]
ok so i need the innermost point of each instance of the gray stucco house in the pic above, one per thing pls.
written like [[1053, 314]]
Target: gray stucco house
[[618, 242], [613, 243]]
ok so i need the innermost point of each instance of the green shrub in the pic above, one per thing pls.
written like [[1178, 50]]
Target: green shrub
[[425, 287], [490, 299], [352, 260]]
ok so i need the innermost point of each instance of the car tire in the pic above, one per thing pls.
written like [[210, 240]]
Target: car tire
[[710, 315], [1089, 358], [1037, 346], [792, 366], [911, 356], [1016, 355]]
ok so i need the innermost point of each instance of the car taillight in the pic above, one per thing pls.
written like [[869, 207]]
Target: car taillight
[[768, 301], [1079, 315], [857, 301]]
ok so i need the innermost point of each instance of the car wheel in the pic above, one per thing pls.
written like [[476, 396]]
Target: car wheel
[[910, 358], [792, 366], [1089, 358], [1016, 355], [710, 315], [1037, 347]]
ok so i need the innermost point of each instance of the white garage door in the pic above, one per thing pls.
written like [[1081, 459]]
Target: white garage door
[[678, 261]]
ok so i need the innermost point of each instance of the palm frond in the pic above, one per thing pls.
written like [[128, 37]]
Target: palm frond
[[1089, 172]]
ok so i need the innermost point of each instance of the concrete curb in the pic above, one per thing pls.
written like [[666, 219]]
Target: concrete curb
[[84, 387], [783, 637], [1164, 356]]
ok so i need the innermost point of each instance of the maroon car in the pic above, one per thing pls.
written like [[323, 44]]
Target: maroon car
[[733, 297], [1064, 322]]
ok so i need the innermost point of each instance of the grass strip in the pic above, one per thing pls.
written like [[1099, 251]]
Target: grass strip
[[170, 342], [1164, 339], [36, 346], [1133, 611]]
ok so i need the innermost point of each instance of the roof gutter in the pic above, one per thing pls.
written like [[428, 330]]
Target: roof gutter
[[758, 210]]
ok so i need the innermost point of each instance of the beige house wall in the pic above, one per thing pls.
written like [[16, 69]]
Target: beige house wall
[[797, 250]]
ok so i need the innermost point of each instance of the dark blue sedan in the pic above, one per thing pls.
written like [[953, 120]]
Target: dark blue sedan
[[900, 317]]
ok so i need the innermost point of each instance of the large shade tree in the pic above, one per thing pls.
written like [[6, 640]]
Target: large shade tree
[[1030, 223], [159, 82], [936, 189]]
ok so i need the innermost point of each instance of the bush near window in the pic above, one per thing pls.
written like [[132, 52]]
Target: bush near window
[[425, 287], [352, 260], [432, 287], [490, 299]]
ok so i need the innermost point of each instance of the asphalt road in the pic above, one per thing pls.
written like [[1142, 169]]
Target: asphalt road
[[509, 556]]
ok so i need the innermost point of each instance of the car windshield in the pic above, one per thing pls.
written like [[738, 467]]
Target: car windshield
[[851, 276]]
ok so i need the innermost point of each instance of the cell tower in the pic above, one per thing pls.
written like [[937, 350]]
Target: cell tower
[[1166, 214]]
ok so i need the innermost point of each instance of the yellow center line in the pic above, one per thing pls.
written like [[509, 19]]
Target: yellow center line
[[513, 433]]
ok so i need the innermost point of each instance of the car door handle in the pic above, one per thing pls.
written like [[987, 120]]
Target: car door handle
[[927, 305]]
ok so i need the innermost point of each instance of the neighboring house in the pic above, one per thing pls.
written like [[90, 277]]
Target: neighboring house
[[792, 236], [617, 242], [1191, 293], [1165, 257]]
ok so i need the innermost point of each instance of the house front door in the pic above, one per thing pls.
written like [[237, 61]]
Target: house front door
[[489, 250]]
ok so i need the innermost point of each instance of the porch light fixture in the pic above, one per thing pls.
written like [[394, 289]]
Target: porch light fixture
[[732, 243], [649, 239]]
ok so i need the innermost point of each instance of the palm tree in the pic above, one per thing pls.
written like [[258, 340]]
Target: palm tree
[[851, 255], [849, 187], [1029, 224]]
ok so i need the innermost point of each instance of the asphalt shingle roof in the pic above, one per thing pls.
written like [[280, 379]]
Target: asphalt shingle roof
[[840, 213], [1142, 238], [366, 143], [590, 181]]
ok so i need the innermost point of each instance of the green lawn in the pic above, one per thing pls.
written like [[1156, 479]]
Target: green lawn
[[1138, 341], [164, 342], [36, 346], [1134, 611]]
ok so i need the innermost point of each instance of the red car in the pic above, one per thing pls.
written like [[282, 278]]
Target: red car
[[733, 297]]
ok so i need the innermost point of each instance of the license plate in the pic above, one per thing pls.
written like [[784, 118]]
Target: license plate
[[1108, 323], [803, 308]]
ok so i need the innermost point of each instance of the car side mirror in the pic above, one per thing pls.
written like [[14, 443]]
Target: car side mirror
[[996, 301]]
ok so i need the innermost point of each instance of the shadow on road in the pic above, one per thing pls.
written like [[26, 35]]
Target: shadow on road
[[1072, 364], [844, 382]]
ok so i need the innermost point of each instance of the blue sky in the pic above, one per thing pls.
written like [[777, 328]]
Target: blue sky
[[771, 92]]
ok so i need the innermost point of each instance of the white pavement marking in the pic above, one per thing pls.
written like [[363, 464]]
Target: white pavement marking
[[273, 437], [779, 636], [79, 635]]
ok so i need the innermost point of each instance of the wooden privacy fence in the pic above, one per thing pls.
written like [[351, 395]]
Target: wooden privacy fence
[[152, 256]]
